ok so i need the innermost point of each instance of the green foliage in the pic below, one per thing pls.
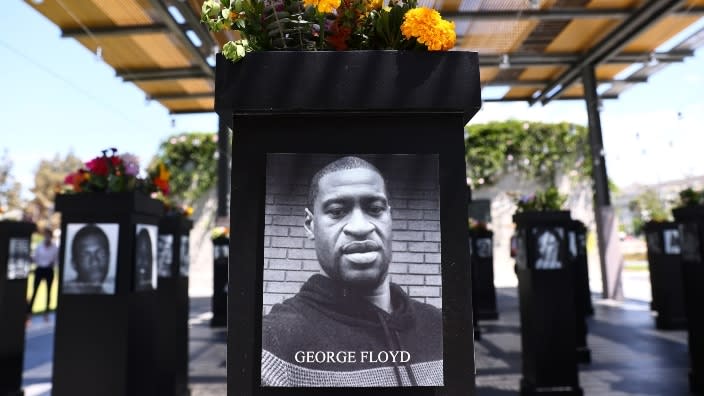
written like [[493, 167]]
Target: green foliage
[[550, 199], [48, 180], [10, 189], [192, 163], [647, 206], [691, 197], [535, 150]]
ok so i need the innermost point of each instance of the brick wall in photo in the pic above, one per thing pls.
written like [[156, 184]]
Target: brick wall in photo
[[289, 257]]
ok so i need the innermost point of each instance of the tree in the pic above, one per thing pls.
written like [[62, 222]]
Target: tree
[[48, 180], [191, 160], [647, 206], [10, 189], [536, 150]]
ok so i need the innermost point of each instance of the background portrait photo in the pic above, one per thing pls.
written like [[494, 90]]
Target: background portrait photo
[[548, 247], [90, 258], [185, 258], [165, 259], [145, 256], [413, 192], [18, 258]]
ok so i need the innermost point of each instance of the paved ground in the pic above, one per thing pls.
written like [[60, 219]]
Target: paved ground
[[630, 357]]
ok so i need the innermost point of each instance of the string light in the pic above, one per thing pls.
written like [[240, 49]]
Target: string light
[[505, 63]]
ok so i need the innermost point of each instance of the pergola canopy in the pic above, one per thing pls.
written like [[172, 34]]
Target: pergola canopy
[[530, 50]]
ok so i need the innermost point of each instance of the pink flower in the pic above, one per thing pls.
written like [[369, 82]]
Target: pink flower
[[131, 164]]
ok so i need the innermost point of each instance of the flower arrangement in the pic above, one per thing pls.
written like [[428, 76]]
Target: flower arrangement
[[476, 225], [550, 199], [111, 172], [313, 25], [220, 232]]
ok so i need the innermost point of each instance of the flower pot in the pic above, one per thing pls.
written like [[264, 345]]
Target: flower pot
[[385, 104], [105, 321], [15, 253]]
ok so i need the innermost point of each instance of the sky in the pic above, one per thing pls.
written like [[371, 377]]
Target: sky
[[57, 97]]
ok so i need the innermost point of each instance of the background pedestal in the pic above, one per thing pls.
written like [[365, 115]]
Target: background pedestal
[[221, 248], [483, 289], [547, 308], [13, 311], [105, 343]]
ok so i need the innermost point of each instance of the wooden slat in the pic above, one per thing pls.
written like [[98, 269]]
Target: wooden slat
[[176, 105], [541, 72], [580, 35], [125, 12], [496, 37], [519, 92], [85, 11], [488, 73], [608, 72], [170, 87], [660, 33]]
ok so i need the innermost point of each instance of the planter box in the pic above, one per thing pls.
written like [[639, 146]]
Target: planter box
[[691, 229], [105, 320], [303, 108], [546, 289], [15, 253]]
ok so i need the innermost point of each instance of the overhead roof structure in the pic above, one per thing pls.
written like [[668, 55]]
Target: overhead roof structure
[[530, 50]]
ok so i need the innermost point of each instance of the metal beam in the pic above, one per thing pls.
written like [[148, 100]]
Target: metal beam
[[553, 14], [107, 31], [188, 96], [541, 83], [614, 42], [520, 60], [528, 99], [175, 28], [193, 23], [161, 74]]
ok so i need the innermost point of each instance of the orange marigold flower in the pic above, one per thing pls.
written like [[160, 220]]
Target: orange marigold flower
[[324, 6], [429, 29]]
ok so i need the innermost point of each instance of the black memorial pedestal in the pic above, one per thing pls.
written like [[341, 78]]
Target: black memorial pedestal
[[483, 289], [221, 254], [173, 306], [666, 278], [15, 253], [577, 249], [104, 336], [691, 230], [547, 304], [347, 102]]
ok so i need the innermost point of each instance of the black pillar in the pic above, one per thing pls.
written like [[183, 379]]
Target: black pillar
[[609, 255], [223, 167]]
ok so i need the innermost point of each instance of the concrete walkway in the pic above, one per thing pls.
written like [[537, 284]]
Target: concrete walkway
[[630, 357]]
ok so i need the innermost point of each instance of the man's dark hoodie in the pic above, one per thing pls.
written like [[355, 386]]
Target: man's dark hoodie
[[325, 316]]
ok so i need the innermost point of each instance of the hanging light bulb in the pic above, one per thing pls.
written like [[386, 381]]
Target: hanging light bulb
[[534, 4], [652, 59], [505, 63], [99, 53]]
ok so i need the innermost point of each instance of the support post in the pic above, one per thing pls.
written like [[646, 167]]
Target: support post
[[606, 227]]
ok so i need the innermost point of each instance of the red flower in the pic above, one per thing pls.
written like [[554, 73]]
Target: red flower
[[99, 166]]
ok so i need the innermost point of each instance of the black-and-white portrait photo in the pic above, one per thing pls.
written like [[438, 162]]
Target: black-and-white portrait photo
[[165, 252], [484, 248], [672, 241], [352, 292], [18, 258], [90, 258], [221, 251], [652, 242], [185, 259], [145, 254], [690, 242], [547, 247], [572, 243]]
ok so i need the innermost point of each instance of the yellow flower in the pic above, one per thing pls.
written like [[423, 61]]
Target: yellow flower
[[374, 4], [323, 6], [429, 29]]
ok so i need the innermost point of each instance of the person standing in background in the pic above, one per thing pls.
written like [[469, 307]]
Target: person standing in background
[[46, 257]]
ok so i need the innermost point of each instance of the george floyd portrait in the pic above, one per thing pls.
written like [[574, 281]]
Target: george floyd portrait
[[18, 259], [90, 258], [145, 257], [165, 260], [352, 290]]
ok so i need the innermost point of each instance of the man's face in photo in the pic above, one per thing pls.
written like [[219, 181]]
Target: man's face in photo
[[351, 226], [547, 246], [92, 259], [144, 257]]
